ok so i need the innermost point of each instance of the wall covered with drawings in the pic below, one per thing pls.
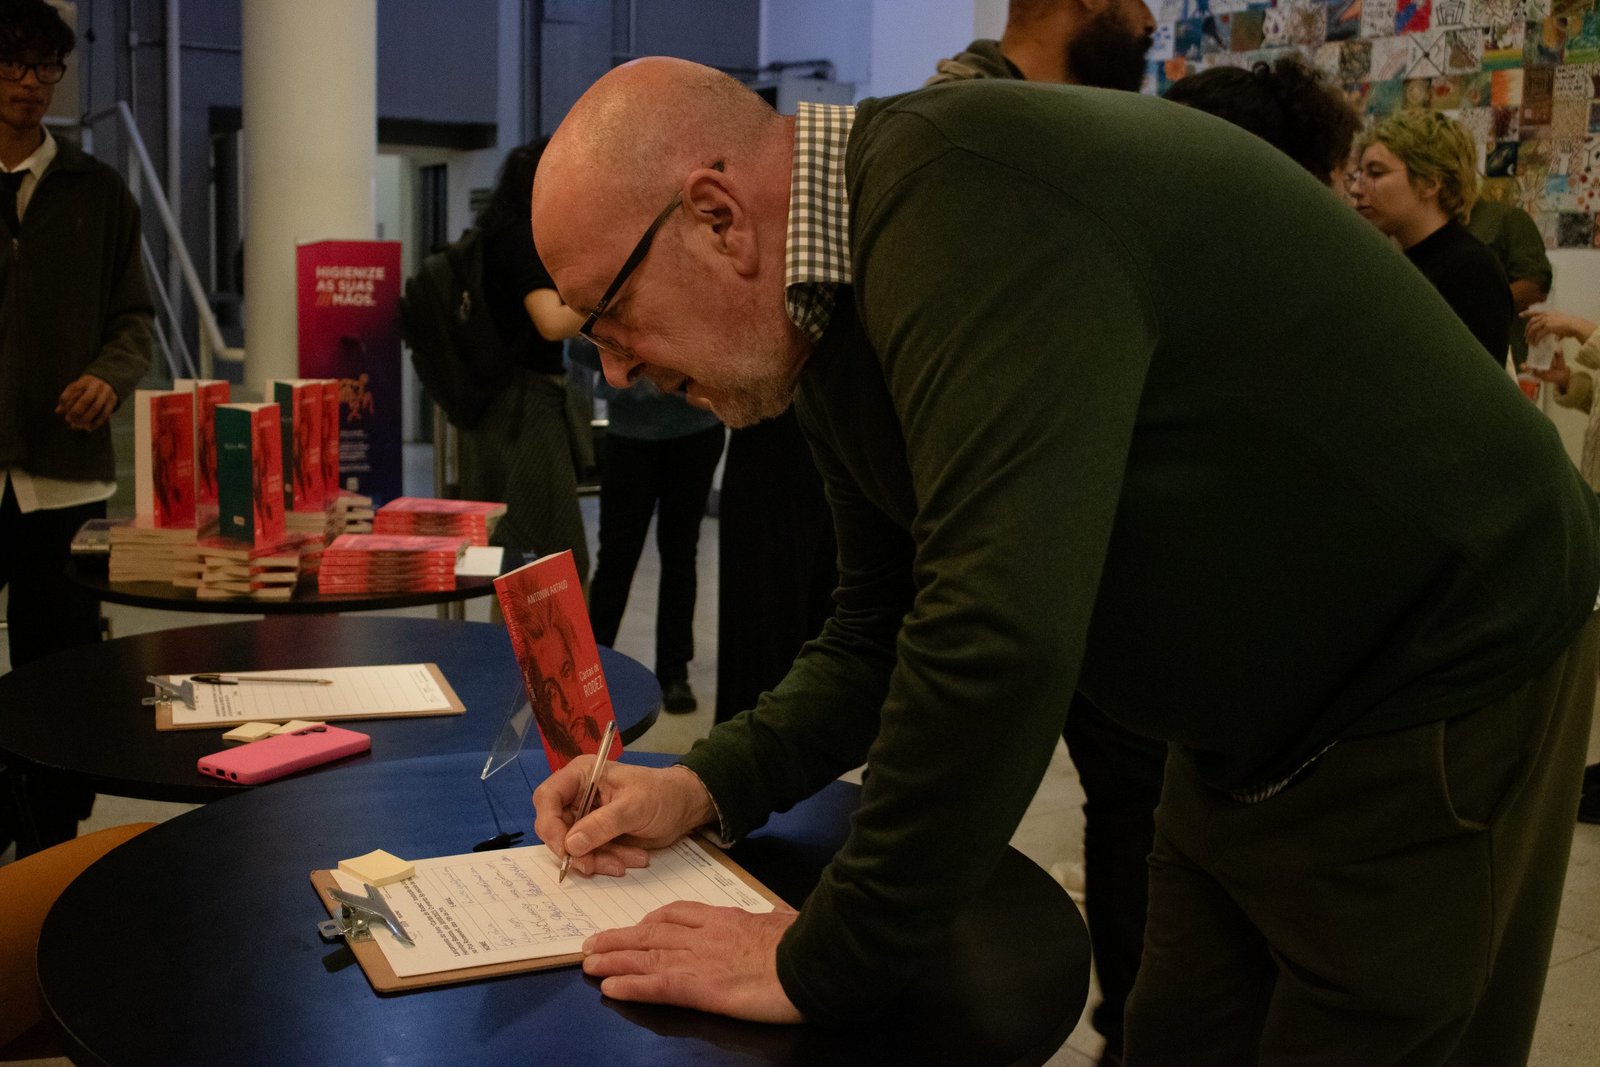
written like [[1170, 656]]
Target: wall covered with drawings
[[1523, 76]]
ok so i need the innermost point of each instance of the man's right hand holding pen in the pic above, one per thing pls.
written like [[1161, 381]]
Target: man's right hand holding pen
[[691, 955], [639, 808]]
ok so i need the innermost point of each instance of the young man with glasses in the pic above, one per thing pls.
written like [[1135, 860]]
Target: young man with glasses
[[75, 338]]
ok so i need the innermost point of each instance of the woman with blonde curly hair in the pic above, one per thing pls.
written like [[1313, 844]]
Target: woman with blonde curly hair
[[1417, 182]]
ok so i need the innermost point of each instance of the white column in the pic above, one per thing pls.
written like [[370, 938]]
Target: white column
[[310, 151]]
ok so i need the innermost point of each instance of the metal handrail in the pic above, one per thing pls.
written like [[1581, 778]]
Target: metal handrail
[[212, 345], [179, 362]]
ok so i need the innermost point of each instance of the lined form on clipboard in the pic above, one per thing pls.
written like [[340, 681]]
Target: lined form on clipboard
[[388, 690], [488, 913]]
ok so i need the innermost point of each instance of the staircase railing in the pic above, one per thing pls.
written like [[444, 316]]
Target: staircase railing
[[141, 174]]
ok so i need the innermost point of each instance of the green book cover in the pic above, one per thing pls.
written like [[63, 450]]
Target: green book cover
[[249, 474]]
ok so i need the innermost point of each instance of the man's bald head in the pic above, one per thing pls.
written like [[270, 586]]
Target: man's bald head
[[639, 129], [703, 309]]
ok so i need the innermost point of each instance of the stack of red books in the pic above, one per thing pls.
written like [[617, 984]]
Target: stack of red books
[[429, 517], [389, 563], [229, 569]]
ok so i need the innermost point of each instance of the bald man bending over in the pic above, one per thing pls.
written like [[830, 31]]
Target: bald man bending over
[[1025, 331]]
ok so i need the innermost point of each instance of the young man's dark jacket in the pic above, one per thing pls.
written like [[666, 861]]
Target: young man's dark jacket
[[73, 300]]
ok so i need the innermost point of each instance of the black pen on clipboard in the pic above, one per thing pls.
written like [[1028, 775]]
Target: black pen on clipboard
[[591, 788]]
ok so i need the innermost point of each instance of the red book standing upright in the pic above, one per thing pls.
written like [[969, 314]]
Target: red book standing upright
[[300, 409], [208, 393], [163, 465], [555, 649], [330, 439]]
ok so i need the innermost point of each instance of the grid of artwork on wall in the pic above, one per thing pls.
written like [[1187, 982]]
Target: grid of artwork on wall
[[1523, 76]]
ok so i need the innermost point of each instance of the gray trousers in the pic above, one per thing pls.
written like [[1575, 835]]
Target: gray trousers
[[1395, 906]]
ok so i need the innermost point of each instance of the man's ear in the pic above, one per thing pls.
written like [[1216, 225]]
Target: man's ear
[[1427, 190], [721, 217]]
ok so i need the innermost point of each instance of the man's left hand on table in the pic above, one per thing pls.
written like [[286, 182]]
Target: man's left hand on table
[[692, 955]]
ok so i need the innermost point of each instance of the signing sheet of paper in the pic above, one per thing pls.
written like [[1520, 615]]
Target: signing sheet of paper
[[389, 689], [506, 907]]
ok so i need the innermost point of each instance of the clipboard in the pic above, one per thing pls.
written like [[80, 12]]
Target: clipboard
[[456, 707], [383, 979]]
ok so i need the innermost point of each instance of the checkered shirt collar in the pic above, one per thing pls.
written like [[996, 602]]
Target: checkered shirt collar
[[817, 255]]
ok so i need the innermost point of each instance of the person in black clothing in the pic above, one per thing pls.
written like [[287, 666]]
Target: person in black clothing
[[75, 338], [522, 449], [1417, 182]]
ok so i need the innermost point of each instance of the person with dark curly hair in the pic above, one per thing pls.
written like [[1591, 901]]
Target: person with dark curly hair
[[1287, 105]]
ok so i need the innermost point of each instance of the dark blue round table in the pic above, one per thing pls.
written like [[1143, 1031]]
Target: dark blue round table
[[196, 943], [79, 712]]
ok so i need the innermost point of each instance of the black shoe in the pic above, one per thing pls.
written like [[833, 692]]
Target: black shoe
[[678, 698], [1589, 807], [1591, 778]]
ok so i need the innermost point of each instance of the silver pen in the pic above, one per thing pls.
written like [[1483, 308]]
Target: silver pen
[[235, 679], [591, 788]]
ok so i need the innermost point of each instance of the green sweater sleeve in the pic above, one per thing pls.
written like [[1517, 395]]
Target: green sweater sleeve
[[1004, 552]]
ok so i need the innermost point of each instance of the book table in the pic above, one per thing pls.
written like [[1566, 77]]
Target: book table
[[78, 711], [196, 943], [90, 572]]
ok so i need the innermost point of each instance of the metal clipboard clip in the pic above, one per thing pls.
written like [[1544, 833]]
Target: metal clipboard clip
[[167, 691], [356, 916]]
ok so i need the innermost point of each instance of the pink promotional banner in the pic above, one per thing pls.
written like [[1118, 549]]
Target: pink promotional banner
[[348, 291]]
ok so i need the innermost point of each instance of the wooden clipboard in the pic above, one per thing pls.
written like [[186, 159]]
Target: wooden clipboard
[[378, 971], [164, 710]]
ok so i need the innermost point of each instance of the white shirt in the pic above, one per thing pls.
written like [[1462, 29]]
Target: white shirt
[[35, 492]]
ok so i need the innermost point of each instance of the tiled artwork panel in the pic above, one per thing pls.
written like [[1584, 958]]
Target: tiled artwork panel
[[1523, 76]]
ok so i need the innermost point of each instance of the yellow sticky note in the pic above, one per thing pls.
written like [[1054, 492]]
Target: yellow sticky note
[[378, 868], [294, 724], [251, 731]]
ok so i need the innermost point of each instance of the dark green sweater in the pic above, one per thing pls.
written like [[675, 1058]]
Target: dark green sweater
[[1126, 401]]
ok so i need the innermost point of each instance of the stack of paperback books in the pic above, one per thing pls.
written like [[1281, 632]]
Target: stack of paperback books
[[430, 517], [383, 563], [349, 513], [302, 524], [141, 551], [310, 547], [231, 570]]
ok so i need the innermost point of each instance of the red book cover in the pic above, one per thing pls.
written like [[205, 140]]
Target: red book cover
[[208, 393], [337, 585], [330, 439], [441, 506], [398, 543], [164, 458], [554, 645], [300, 407]]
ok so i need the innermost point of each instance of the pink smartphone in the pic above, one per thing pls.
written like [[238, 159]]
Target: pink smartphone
[[262, 761]]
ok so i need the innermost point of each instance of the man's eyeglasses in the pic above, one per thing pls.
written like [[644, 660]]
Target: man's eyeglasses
[[629, 265], [14, 70]]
